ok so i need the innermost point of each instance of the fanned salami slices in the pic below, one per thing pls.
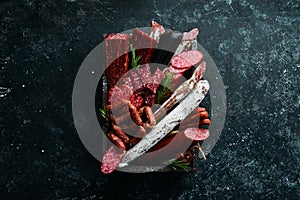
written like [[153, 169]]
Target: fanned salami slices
[[141, 76], [111, 159], [197, 134]]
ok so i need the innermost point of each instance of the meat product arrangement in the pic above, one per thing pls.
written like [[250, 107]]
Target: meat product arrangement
[[149, 103]]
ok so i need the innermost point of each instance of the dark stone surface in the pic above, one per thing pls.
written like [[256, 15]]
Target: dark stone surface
[[256, 46]]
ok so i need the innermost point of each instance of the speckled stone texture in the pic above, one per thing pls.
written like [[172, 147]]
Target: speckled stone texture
[[256, 46]]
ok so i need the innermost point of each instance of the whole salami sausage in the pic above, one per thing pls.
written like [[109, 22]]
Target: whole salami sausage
[[117, 60], [140, 40]]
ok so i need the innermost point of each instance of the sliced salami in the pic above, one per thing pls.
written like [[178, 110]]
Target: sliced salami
[[127, 91], [186, 59], [127, 81], [115, 95], [197, 134], [137, 101], [158, 76], [143, 96], [189, 38], [136, 80], [177, 71], [152, 86], [145, 74], [156, 30], [111, 159], [191, 35]]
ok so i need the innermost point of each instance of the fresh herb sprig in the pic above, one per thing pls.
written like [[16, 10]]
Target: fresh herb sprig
[[179, 164], [164, 89], [104, 113], [135, 60]]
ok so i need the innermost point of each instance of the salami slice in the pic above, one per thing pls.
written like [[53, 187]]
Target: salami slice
[[156, 30], [127, 91], [115, 95], [111, 159], [177, 71], [118, 102], [137, 101], [152, 86], [158, 76], [143, 96], [197, 134], [136, 80], [191, 35], [145, 74], [127, 81], [186, 59], [189, 38]]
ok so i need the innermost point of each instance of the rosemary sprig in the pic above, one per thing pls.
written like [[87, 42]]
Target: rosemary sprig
[[164, 89], [104, 113], [134, 58], [175, 164]]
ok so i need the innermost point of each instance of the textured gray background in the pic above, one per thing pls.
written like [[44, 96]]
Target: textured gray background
[[255, 44]]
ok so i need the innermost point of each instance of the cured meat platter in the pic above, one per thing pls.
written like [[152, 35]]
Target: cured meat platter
[[149, 101]]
